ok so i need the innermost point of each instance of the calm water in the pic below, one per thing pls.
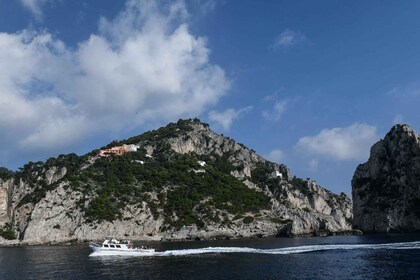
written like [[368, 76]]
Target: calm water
[[281, 258]]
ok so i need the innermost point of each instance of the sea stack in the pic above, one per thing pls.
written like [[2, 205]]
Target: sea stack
[[386, 189]]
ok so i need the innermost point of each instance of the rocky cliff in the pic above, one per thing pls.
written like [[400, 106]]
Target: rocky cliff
[[386, 189], [182, 181]]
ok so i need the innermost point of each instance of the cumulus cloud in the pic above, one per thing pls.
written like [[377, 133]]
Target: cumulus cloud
[[276, 112], [288, 38], [144, 65], [275, 155], [348, 143], [226, 118]]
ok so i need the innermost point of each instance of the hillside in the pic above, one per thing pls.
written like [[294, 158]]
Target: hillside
[[182, 181]]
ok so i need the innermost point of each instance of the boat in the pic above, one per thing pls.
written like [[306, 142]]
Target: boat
[[112, 246]]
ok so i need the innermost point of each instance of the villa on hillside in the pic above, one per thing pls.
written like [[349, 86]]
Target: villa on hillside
[[118, 150]]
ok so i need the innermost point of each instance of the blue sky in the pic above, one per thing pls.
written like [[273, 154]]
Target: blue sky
[[312, 84]]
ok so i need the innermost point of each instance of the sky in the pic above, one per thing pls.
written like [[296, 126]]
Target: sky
[[310, 84]]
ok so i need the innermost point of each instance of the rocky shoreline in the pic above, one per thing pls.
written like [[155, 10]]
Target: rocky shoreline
[[196, 237]]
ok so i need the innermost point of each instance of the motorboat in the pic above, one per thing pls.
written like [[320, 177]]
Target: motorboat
[[112, 246]]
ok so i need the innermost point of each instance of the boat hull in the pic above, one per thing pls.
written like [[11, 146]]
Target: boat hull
[[98, 250]]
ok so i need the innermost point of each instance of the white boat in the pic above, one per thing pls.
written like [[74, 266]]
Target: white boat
[[113, 246]]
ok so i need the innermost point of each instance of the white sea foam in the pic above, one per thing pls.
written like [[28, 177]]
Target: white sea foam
[[276, 251], [292, 250]]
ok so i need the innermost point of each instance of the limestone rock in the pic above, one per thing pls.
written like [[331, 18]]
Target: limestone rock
[[6, 190], [386, 189], [53, 174], [315, 210]]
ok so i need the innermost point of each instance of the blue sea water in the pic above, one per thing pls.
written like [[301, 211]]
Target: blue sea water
[[335, 257]]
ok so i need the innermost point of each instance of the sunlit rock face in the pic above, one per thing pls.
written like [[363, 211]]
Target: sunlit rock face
[[386, 189]]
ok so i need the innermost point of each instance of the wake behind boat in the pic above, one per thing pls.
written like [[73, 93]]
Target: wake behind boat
[[113, 246], [145, 251]]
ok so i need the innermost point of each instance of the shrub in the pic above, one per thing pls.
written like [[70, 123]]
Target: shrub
[[7, 232], [299, 184], [101, 208], [248, 220], [261, 173], [5, 173]]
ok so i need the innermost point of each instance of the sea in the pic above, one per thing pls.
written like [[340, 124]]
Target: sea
[[391, 256]]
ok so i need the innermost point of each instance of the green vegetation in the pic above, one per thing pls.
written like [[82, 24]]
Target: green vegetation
[[299, 184], [38, 192], [248, 220], [222, 190], [32, 170], [102, 208], [261, 172], [173, 186], [170, 131], [33, 173], [262, 176], [121, 176], [7, 232], [5, 173]]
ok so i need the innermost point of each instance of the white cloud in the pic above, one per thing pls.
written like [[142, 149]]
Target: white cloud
[[410, 90], [313, 164], [276, 112], [288, 38], [226, 118], [398, 119], [276, 155], [347, 143], [204, 6], [145, 65], [35, 6]]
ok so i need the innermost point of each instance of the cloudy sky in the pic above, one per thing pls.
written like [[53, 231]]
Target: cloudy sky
[[312, 84]]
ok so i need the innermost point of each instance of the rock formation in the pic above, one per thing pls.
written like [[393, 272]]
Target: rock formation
[[184, 182], [386, 189]]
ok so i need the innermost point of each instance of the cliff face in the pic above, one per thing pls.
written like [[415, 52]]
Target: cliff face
[[183, 182], [386, 189]]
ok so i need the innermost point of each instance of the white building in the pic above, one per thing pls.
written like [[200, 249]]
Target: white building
[[276, 174], [132, 148]]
